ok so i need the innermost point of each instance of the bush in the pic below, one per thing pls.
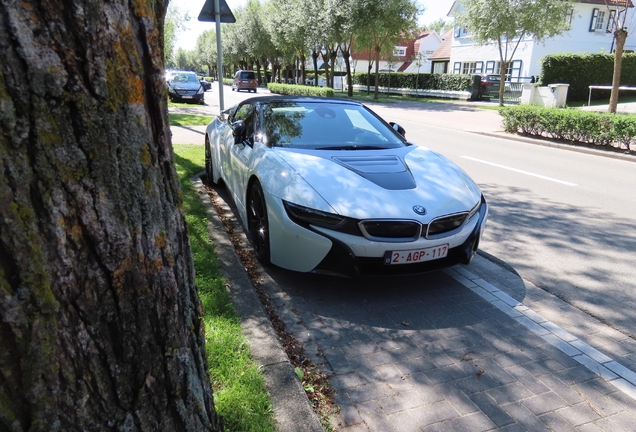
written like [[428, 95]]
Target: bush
[[300, 90], [584, 70], [422, 81], [572, 125]]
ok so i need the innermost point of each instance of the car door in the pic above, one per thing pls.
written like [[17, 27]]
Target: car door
[[241, 151]]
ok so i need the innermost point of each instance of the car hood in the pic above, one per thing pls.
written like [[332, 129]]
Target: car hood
[[385, 183]]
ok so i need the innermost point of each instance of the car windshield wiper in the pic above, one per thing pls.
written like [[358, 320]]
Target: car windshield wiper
[[353, 147]]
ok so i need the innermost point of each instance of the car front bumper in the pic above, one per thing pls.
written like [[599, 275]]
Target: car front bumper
[[320, 250]]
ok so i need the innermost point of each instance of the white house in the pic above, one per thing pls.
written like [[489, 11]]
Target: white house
[[424, 46], [590, 31]]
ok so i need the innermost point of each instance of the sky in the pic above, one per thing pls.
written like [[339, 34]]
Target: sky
[[435, 9]]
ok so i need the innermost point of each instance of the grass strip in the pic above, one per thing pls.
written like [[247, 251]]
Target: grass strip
[[240, 397], [189, 120]]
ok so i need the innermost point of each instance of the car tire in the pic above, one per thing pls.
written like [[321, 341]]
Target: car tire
[[258, 223], [209, 167]]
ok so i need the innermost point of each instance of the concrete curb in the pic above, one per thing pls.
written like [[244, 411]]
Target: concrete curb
[[292, 409]]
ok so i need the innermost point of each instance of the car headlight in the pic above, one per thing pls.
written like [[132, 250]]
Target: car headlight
[[200, 91], [474, 210], [305, 216]]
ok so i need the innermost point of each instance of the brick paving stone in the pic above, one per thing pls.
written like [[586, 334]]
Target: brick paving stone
[[458, 399], [621, 422], [348, 415], [494, 369], [575, 374], [543, 367], [492, 409], [512, 392], [437, 355], [579, 414], [368, 392], [358, 349], [347, 381], [374, 418], [570, 393], [524, 417], [477, 383], [476, 422], [446, 373], [544, 403], [434, 414], [556, 423], [512, 358], [527, 379], [387, 356], [427, 391], [419, 364], [401, 402], [403, 422]]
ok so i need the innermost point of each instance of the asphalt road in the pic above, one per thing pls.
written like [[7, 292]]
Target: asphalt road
[[564, 220]]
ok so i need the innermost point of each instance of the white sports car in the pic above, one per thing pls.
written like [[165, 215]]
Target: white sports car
[[325, 185]]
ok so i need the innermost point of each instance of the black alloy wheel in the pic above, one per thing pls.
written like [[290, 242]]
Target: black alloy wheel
[[209, 170], [257, 223]]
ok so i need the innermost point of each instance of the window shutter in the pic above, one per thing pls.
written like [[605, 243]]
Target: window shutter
[[611, 22], [594, 18]]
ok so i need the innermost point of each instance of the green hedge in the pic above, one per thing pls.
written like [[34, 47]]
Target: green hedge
[[422, 81], [584, 70], [300, 90], [572, 125], [227, 81]]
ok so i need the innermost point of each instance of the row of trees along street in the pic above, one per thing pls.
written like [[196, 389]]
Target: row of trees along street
[[285, 33]]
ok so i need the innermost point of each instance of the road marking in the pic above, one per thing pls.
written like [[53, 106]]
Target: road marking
[[605, 367], [520, 171]]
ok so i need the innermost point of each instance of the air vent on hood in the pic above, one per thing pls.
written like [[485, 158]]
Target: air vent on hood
[[388, 172]]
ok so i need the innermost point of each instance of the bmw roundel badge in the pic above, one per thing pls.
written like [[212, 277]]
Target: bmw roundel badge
[[420, 210]]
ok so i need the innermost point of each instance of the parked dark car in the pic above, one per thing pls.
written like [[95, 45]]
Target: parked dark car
[[245, 80], [185, 87], [489, 85]]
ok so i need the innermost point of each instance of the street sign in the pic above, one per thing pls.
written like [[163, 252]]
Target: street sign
[[208, 13]]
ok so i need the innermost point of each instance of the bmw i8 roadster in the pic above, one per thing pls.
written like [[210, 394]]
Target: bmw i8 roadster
[[326, 185]]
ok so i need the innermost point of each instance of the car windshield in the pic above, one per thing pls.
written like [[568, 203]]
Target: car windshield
[[326, 126], [185, 78], [247, 75]]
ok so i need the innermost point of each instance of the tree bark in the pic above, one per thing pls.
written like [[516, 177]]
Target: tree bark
[[620, 37], [100, 323]]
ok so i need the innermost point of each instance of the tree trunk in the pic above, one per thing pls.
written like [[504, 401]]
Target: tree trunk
[[620, 36], [345, 55], [502, 81], [100, 323], [377, 72], [314, 56]]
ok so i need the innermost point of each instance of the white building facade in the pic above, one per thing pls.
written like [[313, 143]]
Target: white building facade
[[590, 31]]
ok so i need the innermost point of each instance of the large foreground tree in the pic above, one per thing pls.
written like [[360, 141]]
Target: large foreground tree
[[507, 23], [99, 317]]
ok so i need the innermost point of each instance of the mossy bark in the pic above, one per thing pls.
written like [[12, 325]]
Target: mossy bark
[[100, 323]]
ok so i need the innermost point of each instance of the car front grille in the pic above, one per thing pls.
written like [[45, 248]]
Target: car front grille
[[186, 92], [396, 231], [391, 231]]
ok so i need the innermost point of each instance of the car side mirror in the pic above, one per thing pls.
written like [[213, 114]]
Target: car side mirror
[[399, 129], [238, 130]]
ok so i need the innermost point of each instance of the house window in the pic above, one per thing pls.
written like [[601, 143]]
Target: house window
[[479, 67], [490, 66], [460, 32], [439, 68], [457, 67], [598, 19], [399, 51], [513, 72], [468, 68], [611, 22]]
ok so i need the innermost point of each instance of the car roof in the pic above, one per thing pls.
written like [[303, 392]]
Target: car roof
[[315, 99]]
